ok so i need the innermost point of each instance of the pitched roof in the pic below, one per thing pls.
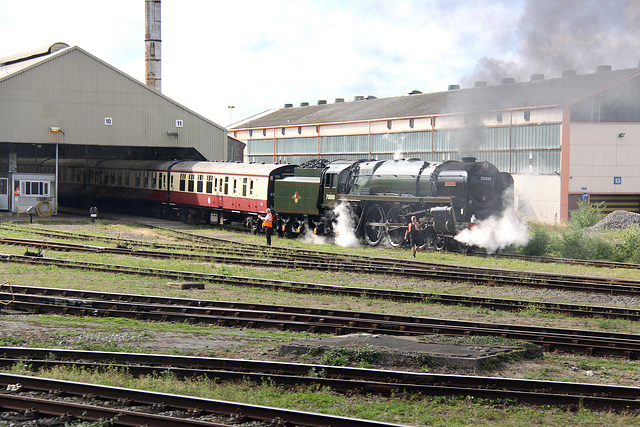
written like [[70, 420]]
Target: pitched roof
[[549, 92]]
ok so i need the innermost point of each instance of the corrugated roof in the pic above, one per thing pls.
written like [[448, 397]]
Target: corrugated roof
[[549, 92], [17, 62]]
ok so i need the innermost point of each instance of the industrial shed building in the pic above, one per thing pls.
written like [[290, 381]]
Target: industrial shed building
[[563, 139], [62, 101]]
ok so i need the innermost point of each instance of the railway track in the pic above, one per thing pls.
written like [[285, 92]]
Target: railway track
[[500, 304], [54, 402], [368, 265], [420, 270], [304, 319], [341, 379]]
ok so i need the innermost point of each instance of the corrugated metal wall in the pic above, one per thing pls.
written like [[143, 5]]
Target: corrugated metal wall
[[516, 149], [95, 104]]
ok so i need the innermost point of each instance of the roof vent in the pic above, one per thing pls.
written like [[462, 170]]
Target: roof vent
[[415, 92], [338, 100], [508, 80], [535, 77], [480, 83], [358, 98], [288, 105], [322, 102], [453, 87], [304, 104], [603, 68], [370, 97], [568, 73]]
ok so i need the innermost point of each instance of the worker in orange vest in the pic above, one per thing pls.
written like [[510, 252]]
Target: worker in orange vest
[[267, 224]]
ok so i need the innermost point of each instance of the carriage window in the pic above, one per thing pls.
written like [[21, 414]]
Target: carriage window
[[209, 184], [154, 179], [137, 183], [119, 178], [127, 178], [145, 180], [183, 181], [112, 177], [235, 185], [251, 187], [200, 183], [244, 187], [226, 185], [191, 183]]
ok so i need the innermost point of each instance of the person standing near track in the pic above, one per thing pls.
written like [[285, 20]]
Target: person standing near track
[[414, 235], [267, 224]]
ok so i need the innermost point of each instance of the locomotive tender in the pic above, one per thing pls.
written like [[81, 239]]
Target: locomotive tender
[[382, 195]]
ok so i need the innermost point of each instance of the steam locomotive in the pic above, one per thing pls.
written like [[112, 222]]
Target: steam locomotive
[[381, 195]]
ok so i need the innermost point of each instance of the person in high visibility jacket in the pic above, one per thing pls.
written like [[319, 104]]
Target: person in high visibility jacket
[[414, 235], [267, 224]]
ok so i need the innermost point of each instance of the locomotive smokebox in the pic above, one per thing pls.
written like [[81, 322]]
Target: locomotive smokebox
[[469, 159]]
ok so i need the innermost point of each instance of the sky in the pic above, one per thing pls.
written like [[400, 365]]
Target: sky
[[257, 55]]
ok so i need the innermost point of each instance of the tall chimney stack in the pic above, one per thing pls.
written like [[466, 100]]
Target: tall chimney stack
[[152, 45]]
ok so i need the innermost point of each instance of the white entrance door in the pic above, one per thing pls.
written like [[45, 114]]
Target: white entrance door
[[4, 194]]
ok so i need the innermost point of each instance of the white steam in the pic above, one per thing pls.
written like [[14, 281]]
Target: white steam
[[495, 233], [344, 226]]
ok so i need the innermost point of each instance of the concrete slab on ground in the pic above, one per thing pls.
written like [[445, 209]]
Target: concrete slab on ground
[[409, 350]]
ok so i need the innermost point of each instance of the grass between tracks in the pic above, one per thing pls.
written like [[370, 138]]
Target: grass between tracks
[[127, 335]]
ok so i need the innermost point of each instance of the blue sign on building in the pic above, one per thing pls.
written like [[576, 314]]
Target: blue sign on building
[[585, 197], [617, 180]]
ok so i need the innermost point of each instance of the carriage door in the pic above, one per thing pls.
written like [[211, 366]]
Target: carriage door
[[4, 194]]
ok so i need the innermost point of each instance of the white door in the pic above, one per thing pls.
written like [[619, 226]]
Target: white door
[[4, 194]]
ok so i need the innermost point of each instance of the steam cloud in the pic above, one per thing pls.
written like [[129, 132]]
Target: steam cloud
[[343, 226], [496, 232]]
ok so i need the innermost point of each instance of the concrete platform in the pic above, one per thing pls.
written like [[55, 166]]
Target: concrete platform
[[408, 351]]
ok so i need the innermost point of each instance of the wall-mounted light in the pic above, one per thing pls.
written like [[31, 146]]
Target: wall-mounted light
[[621, 135], [172, 133], [56, 129]]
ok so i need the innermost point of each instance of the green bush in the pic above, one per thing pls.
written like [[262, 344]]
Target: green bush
[[586, 215], [539, 241], [576, 245]]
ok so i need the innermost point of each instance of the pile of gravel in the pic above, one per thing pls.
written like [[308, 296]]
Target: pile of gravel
[[616, 220]]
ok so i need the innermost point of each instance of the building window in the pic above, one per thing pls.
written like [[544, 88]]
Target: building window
[[36, 188], [527, 115], [299, 130], [433, 122], [411, 123], [499, 117], [283, 130], [250, 133], [388, 124], [264, 132]]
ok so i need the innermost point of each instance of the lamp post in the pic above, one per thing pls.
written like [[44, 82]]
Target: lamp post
[[57, 129]]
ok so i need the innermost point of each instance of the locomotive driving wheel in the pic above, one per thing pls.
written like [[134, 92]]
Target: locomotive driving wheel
[[374, 226], [396, 226]]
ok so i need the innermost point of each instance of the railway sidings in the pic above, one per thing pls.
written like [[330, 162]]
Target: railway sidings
[[375, 293]]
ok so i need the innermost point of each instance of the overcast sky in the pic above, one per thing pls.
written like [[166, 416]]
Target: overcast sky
[[258, 55]]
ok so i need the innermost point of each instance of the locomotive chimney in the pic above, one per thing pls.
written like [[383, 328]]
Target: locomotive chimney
[[152, 44]]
